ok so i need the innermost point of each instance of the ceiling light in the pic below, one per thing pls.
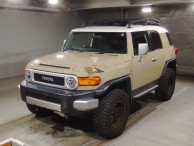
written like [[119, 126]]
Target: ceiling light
[[146, 10], [53, 2]]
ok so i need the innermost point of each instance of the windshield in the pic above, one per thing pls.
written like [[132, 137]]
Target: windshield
[[101, 42]]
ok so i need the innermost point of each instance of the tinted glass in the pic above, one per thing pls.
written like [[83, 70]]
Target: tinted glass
[[138, 38], [169, 39], [102, 42], [156, 41]]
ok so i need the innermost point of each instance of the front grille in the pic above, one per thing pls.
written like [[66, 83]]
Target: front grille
[[49, 79], [44, 97]]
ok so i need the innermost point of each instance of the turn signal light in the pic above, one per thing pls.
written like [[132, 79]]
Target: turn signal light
[[89, 81], [24, 70], [176, 50]]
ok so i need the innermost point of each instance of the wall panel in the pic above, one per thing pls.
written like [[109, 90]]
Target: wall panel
[[178, 19], [26, 35]]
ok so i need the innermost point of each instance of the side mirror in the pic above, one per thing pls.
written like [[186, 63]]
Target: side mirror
[[142, 50]]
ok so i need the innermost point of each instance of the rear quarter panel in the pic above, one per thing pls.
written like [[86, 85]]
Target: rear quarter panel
[[169, 50]]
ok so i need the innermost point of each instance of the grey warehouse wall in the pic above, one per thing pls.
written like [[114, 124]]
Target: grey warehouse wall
[[179, 20], [26, 35]]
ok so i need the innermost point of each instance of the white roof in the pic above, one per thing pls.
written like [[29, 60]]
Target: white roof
[[133, 28]]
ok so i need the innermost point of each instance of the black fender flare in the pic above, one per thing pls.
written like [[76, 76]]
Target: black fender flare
[[167, 64], [106, 86]]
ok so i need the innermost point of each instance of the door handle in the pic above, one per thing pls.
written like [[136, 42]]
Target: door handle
[[154, 59]]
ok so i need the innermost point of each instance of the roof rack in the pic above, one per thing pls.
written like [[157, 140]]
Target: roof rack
[[123, 22], [117, 22], [147, 21]]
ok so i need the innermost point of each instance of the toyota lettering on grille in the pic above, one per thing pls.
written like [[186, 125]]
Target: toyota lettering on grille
[[47, 79]]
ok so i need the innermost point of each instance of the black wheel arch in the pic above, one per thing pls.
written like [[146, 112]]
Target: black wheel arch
[[170, 64], [123, 83]]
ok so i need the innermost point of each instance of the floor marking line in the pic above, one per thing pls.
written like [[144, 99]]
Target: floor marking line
[[139, 118], [130, 124], [1, 125], [180, 91], [149, 140], [88, 142], [101, 143], [84, 142]]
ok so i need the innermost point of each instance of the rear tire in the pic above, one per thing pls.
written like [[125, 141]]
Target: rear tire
[[166, 85], [39, 111], [111, 116]]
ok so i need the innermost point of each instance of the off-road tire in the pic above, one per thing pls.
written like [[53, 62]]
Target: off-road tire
[[166, 85], [39, 111], [111, 116]]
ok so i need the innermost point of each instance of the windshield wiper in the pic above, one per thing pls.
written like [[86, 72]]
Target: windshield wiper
[[73, 49]]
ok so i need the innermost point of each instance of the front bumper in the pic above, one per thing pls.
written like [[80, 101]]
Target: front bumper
[[72, 103]]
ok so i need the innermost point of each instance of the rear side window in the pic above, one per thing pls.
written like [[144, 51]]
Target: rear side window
[[169, 39], [156, 41], [138, 38]]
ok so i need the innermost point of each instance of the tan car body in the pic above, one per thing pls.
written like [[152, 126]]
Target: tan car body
[[110, 66], [54, 82]]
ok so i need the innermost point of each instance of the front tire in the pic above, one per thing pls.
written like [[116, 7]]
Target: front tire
[[39, 111], [111, 116], [166, 85]]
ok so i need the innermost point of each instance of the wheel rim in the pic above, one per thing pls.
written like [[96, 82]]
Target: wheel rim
[[118, 114]]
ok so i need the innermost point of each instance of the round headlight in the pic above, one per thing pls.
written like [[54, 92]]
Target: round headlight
[[28, 75], [71, 82]]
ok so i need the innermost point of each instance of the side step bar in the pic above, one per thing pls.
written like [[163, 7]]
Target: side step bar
[[145, 92]]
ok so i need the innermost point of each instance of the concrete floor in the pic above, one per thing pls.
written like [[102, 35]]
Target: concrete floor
[[11, 106], [170, 124], [151, 122]]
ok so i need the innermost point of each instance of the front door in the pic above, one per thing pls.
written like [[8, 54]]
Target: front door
[[143, 70]]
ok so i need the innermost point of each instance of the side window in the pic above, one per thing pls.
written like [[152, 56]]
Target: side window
[[169, 39], [139, 37], [156, 41]]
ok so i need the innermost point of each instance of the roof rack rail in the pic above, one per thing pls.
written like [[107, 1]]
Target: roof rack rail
[[147, 21], [116, 22], [123, 22]]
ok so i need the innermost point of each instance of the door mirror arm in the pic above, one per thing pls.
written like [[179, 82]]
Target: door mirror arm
[[139, 57], [63, 44]]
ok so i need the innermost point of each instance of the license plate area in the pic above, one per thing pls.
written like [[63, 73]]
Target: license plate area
[[45, 97], [49, 79]]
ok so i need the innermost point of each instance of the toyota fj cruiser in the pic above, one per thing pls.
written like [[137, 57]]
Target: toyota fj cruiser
[[100, 70]]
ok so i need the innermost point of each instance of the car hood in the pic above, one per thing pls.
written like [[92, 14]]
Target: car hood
[[78, 63]]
